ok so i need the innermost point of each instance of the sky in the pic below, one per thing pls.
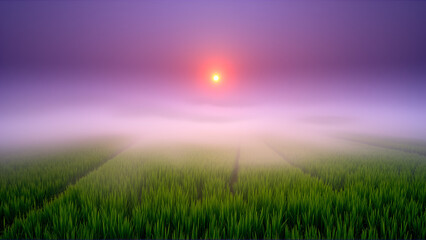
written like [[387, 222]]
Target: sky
[[75, 68]]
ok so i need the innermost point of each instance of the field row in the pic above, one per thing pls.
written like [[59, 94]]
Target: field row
[[404, 145], [28, 182], [185, 192]]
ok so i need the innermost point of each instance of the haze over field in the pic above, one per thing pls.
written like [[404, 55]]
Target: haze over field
[[228, 119], [143, 69]]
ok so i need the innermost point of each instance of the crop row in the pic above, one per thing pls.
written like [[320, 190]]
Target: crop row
[[28, 182], [380, 189], [118, 199], [184, 192], [405, 145]]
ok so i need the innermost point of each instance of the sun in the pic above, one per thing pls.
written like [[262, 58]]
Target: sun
[[215, 78]]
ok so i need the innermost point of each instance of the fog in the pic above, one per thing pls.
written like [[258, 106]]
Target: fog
[[49, 114], [142, 70]]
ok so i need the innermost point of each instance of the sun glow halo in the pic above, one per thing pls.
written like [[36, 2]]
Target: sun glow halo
[[215, 78]]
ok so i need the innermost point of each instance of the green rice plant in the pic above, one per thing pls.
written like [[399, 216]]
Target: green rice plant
[[185, 192], [29, 182]]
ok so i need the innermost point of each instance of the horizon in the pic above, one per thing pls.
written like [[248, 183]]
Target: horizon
[[123, 68]]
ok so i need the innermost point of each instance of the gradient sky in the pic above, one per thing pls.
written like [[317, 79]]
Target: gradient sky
[[361, 61]]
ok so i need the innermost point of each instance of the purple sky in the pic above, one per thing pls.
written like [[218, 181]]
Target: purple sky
[[359, 60]]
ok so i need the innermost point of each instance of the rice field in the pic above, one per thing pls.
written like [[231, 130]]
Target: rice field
[[30, 181], [255, 189]]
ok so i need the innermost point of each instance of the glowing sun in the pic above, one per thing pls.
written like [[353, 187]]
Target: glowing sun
[[215, 78]]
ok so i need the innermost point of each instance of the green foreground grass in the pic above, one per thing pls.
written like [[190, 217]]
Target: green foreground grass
[[184, 192], [28, 182]]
